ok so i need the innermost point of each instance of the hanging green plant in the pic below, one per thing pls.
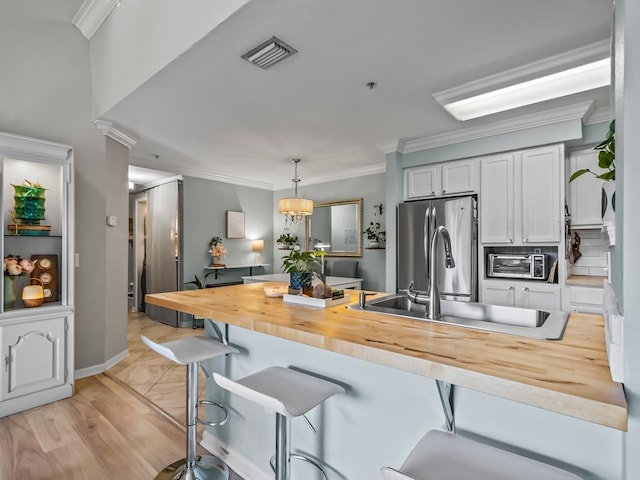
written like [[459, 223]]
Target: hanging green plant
[[606, 157]]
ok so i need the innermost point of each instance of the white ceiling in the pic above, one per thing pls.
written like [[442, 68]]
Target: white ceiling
[[209, 113]]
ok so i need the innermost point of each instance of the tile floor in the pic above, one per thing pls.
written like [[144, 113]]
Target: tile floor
[[153, 376]]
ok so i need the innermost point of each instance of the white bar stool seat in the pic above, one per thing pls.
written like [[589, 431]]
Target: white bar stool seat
[[190, 352], [445, 456], [289, 394]]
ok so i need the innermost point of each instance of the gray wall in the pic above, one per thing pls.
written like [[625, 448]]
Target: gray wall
[[45, 92], [205, 206], [627, 102], [116, 268], [371, 188]]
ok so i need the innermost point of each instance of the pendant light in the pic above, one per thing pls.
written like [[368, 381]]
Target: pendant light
[[296, 208]]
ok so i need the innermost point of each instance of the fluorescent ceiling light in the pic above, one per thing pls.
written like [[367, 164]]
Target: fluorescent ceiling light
[[568, 82], [567, 73]]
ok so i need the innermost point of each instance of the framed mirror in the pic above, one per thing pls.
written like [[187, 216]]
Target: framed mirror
[[335, 228]]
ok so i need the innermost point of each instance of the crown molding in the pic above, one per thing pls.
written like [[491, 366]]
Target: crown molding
[[33, 148], [154, 164], [573, 58], [547, 117], [599, 115], [91, 14], [391, 146], [107, 129], [341, 175]]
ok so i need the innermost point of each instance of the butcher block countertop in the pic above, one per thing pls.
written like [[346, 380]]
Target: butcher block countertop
[[570, 376]]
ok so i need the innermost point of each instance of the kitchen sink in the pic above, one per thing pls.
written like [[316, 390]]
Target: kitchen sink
[[540, 324]]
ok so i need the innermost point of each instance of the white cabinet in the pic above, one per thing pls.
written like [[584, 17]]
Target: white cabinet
[[522, 294], [448, 178], [586, 191], [586, 299], [36, 340], [520, 197], [33, 356]]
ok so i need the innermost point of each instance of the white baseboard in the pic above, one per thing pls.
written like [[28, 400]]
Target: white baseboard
[[236, 461], [102, 367]]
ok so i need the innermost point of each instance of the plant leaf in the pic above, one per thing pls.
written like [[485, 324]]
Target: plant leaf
[[578, 173], [605, 159], [608, 176]]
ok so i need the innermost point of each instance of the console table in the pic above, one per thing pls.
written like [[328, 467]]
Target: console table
[[336, 282]]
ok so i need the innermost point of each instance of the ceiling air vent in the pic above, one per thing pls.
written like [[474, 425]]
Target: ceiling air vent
[[269, 53]]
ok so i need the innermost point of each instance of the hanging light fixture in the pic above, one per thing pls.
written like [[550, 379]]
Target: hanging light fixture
[[296, 208]]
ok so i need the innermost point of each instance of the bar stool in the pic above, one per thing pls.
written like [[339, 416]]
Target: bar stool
[[191, 352], [444, 456], [288, 393]]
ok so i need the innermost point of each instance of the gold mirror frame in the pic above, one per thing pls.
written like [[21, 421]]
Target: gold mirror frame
[[347, 235]]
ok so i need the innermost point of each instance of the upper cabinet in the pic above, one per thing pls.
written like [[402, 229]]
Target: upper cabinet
[[448, 178], [36, 314], [520, 197], [586, 191]]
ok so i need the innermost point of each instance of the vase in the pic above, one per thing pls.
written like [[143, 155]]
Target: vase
[[300, 280], [217, 261], [608, 202], [9, 296]]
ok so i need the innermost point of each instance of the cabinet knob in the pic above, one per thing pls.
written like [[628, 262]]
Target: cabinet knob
[[510, 289], [525, 289], [433, 192], [444, 191], [511, 240], [525, 240]]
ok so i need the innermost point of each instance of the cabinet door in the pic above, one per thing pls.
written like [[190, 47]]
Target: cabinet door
[[421, 182], [541, 195], [496, 199], [498, 294], [459, 177], [540, 297], [33, 354], [586, 191]]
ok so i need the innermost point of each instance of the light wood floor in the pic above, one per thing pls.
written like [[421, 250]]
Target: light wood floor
[[106, 430]]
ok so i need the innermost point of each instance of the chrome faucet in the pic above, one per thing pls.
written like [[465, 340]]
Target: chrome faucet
[[433, 309], [432, 297]]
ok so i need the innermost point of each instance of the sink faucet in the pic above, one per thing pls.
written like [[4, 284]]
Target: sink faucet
[[432, 297], [433, 309]]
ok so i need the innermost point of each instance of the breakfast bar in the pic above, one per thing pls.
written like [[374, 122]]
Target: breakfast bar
[[569, 377]]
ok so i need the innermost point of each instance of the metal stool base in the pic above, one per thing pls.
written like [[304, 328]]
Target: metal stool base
[[272, 462], [207, 468]]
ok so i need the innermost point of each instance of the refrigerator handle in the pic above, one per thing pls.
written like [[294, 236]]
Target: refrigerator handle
[[427, 237]]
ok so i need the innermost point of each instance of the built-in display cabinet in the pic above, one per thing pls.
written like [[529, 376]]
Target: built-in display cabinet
[[441, 179], [36, 314]]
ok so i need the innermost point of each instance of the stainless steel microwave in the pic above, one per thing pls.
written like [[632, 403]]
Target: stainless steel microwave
[[521, 265]]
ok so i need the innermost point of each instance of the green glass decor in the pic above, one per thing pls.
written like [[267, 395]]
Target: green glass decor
[[29, 203], [28, 209]]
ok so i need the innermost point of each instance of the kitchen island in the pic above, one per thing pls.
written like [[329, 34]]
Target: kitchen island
[[570, 376]]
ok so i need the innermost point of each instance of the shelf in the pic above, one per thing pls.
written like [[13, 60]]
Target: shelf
[[229, 267], [235, 267], [9, 235]]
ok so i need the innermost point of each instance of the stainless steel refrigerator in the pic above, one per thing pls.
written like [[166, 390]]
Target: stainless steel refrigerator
[[459, 216]]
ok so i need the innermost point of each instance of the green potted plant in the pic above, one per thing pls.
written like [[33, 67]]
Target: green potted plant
[[375, 236], [606, 161], [300, 267], [606, 157], [286, 241], [200, 283]]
